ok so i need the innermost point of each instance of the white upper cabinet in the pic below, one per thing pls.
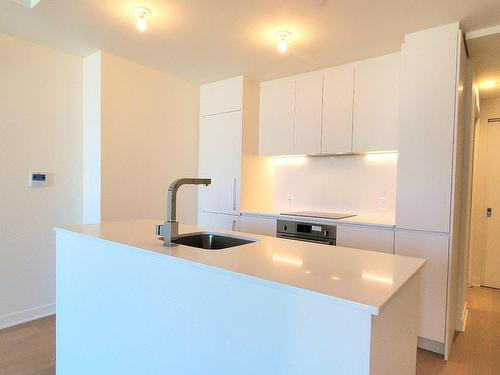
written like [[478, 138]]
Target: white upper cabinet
[[308, 107], [426, 134], [221, 96], [349, 108], [338, 99], [277, 118], [220, 159], [376, 101]]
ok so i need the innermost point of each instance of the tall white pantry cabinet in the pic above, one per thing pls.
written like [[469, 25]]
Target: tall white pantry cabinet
[[228, 139], [431, 124]]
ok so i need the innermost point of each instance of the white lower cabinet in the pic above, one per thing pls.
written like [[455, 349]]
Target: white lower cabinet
[[258, 225], [366, 238], [434, 248], [219, 221]]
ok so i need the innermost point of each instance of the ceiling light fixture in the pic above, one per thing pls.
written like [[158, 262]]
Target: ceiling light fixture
[[141, 13], [283, 43]]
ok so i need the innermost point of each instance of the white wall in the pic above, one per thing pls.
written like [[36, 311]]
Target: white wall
[[351, 183], [40, 130], [149, 137], [489, 108], [92, 138]]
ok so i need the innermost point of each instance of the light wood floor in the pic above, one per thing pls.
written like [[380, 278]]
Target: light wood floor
[[477, 350], [29, 349]]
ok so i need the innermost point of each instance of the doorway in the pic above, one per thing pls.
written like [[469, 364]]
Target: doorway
[[484, 242], [485, 245]]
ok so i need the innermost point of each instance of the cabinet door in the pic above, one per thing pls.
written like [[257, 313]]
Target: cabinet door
[[376, 102], [426, 135], [219, 221], [375, 239], [220, 160], [258, 225], [277, 118], [221, 96], [308, 107], [337, 110], [434, 248]]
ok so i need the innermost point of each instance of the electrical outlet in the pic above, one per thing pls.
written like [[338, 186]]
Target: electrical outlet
[[382, 203], [289, 198]]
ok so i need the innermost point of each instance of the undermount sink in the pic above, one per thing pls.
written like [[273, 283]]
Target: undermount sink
[[211, 241]]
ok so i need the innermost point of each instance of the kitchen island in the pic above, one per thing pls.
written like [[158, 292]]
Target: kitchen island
[[128, 305]]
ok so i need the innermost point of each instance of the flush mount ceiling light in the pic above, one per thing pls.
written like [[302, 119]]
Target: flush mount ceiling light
[[141, 14], [488, 84], [283, 40]]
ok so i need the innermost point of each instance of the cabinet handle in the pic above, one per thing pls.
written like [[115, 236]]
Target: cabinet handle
[[234, 225], [234, 194]]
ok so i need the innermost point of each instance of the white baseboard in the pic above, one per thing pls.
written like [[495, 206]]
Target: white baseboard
[[462, 322], [27, 315], [476, 282]]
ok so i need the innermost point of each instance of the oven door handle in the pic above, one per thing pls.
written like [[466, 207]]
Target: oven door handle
[[288, 237]]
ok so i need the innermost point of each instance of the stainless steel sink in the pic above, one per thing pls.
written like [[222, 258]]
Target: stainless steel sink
[[211, 241]]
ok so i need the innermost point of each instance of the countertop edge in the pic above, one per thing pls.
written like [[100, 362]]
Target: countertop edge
[[346, 221], [369, 309], [411, 276]]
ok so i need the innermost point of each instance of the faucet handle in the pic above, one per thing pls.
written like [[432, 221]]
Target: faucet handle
[[160, 229]]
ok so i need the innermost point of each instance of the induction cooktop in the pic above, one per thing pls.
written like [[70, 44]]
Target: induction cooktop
[[319, 215]]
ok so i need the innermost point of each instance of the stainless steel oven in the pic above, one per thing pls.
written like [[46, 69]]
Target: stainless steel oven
[[303, 231]]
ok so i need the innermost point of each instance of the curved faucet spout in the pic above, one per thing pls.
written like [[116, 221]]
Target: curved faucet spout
[[172, 194], [171, 225]]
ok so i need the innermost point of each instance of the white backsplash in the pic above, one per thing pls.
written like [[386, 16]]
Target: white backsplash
[[352, 184]]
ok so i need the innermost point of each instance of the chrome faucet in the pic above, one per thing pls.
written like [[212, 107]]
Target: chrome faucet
[[170, 230]]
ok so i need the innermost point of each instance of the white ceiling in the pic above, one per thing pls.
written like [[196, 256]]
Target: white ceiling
[[207, 40], [486, 54]]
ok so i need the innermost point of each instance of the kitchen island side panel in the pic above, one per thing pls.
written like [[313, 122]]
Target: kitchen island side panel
[[124, 310], [394, 332]]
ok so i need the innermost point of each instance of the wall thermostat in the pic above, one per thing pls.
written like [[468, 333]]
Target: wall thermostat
[[38, 179]]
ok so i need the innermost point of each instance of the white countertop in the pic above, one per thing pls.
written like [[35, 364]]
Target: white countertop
[[379, 221], [360, 279]]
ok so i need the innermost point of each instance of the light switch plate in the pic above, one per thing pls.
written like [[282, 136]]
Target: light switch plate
[[37, 179]]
